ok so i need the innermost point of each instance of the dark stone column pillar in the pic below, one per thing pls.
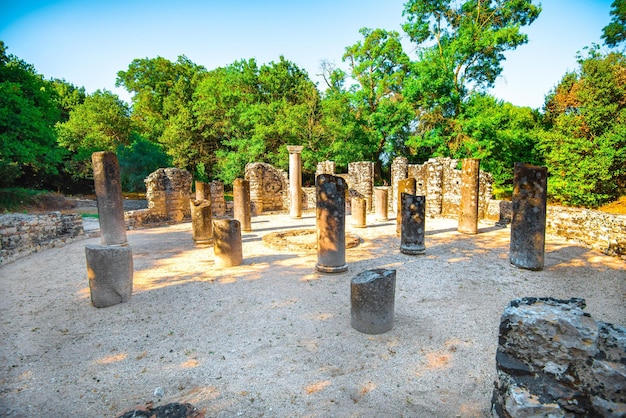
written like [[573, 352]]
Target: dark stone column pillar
[[468, 213], [201, 223], [241, 203], [106, 177], [404, 186], [331, 223], [528, 223], [359, 215], [413, 224], [372, 297], [110, 274], [295, 180], [227, 243], [382, 205]]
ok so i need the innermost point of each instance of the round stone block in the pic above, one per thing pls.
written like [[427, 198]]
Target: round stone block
[[372, 296], [359, 214], [227, 243], [110, 274]]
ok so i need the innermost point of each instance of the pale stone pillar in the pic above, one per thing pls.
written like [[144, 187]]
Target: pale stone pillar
[[468, 213], [241, 204], [295, 180], [413, 224], [110, 274], [381, 195], [359, 212], [404, 186], [331, 223], [372, 297], [528, 223], [201, 221], [227, 244], [106, 177], [202, 191]]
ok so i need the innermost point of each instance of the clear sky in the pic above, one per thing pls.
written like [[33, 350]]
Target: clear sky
[[86, 42]]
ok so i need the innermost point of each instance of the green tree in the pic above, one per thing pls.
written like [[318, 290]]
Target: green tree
[[615, 32], [584, 144], [138, 160], [28, 112]]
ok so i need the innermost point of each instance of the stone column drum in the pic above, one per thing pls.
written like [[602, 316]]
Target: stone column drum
[[227, 243], [201, 222], [528, 223], [359, 212], [241, 203], [110, 274], [468, 213], [404, 186], [413, 224], [372, 297], [106, 177], [331, 223], [203, 190], [382, 206], [295, 180]]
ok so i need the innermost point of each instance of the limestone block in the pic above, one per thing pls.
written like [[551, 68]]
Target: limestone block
[[372, 296], [110, 274], [227, 244]]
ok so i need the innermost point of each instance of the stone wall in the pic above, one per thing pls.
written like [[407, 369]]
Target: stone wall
[[168, 191], [555, 360], [218, 201], [269, 188], [361, 182], [24, 234]]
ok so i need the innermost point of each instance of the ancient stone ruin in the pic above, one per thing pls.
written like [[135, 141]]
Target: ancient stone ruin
[[168, 191], [269, 188], [555, 360]]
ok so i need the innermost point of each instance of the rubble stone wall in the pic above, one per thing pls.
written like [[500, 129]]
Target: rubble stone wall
[[361, 182], [218, 201], [269, 188], [168, 191], [25, 234]]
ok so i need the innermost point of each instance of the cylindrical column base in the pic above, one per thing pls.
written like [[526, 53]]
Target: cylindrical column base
[[372, 296], [468, 212], [359, 214], [404, 186], [413, 224], [382, 204], [227, 243], [331, 223], [201, 224], [110, 274]]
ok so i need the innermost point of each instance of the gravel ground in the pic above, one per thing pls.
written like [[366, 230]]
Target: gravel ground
[[272, 337]]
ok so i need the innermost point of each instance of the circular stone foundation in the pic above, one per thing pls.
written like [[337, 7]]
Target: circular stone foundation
[[302, 240]]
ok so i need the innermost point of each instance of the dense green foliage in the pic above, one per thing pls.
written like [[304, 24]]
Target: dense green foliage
[[386, 104]]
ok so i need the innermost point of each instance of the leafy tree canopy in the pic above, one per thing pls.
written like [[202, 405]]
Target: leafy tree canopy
[[614, 33]]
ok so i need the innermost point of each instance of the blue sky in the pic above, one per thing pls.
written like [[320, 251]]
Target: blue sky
[[86, 42]]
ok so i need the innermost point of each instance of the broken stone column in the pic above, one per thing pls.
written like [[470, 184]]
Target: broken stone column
[[110, 274], [241, 203], [106, 177], [399, 171], [413, 224], [528, 223], [468, 214], [331, 223], [201, 221], [359, 212], [381, 195], [295, 180], [555, 360], [404, 186], [203, 190], [227, 244], [372, 297]]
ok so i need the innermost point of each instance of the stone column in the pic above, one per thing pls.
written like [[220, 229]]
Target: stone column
[[404, 186], [331, 223], [241, 203], [399, 171], [372, 297], [295, 180], [359, 212], [382, 205], [468, 213], [106, 177], [202, 191], [413, 224], [528, 223], [110, 274], [201, 223], [227, 243]]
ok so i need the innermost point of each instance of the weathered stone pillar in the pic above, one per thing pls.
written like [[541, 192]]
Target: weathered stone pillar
[[528, 223], [110, 274], [331, 223], [295, 180], [227, 243], [241, 203], [203, 191], [106, 177], [359, 212], [201, 223], [372, 297], [382, 205], [404, 186], [399, 171], [468, 213], [413, 224]]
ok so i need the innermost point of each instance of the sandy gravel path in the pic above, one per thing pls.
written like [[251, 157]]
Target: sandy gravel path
[[273, 337]]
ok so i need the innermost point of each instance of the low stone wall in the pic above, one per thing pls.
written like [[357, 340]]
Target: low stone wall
[[25, 234]]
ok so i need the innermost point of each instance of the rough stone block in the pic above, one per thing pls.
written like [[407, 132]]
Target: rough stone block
[[110, 274], [372, 296]]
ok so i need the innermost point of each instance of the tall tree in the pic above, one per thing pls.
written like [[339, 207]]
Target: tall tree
[[614, 33]]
